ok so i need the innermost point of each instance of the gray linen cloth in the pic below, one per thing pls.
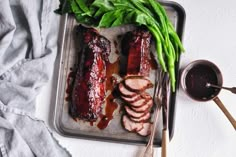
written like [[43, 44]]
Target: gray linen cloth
[[28, 48]]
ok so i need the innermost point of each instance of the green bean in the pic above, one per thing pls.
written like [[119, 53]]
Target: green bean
[[162, 19], [158, 47], [176, 39], [173, 52], [171, 70], [176, 48]]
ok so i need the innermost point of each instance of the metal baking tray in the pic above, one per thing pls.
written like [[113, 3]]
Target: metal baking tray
[[114, 132]]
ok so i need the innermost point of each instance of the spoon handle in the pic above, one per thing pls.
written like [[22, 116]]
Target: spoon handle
[[233, 89]]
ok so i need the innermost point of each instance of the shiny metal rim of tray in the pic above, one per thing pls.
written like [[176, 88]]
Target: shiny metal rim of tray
[[63, 59]]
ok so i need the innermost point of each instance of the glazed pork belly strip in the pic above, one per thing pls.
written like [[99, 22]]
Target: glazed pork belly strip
[[136, 47], [89, 86], [138, 103]]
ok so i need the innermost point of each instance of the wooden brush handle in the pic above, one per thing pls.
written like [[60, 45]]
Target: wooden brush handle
[[165, 141]]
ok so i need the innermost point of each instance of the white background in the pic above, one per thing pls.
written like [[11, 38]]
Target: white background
[[201, 129]]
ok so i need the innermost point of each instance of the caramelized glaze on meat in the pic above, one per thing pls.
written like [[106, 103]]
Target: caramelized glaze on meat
[[136, 46], [89, 86]]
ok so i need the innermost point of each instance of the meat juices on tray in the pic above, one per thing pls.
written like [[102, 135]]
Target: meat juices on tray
[[89, 89]]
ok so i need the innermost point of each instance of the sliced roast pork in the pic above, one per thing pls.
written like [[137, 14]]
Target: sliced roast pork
[[131, 125], [125, 92], [143, 118], [132, 99], [137, 83], [144, 108], [146, 130], [89, 86], [140, 102], [132, 113], [137, 99]]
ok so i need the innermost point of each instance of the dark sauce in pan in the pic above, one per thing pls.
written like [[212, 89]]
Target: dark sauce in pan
[[196, 80]]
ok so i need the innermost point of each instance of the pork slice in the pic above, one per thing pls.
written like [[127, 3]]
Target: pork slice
[[145, 95], [144, 118], [132, 113], [137, 83], [131, 125], [140, 102], [146, 130], [125, 92], [131, 99], [137, 98], [143, 108]]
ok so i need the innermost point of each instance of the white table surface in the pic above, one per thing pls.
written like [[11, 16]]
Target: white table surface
[[201, 129]]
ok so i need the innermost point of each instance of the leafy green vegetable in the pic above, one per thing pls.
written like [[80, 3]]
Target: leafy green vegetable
[[64, 7], [111, 13]]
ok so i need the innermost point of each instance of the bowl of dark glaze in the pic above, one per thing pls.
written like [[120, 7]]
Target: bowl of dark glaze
[[196, 75], [194, 79]]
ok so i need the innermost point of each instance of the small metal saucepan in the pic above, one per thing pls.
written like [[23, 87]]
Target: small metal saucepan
[[194, 79]]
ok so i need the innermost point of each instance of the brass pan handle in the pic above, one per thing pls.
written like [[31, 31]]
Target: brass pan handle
[[225, 111]]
